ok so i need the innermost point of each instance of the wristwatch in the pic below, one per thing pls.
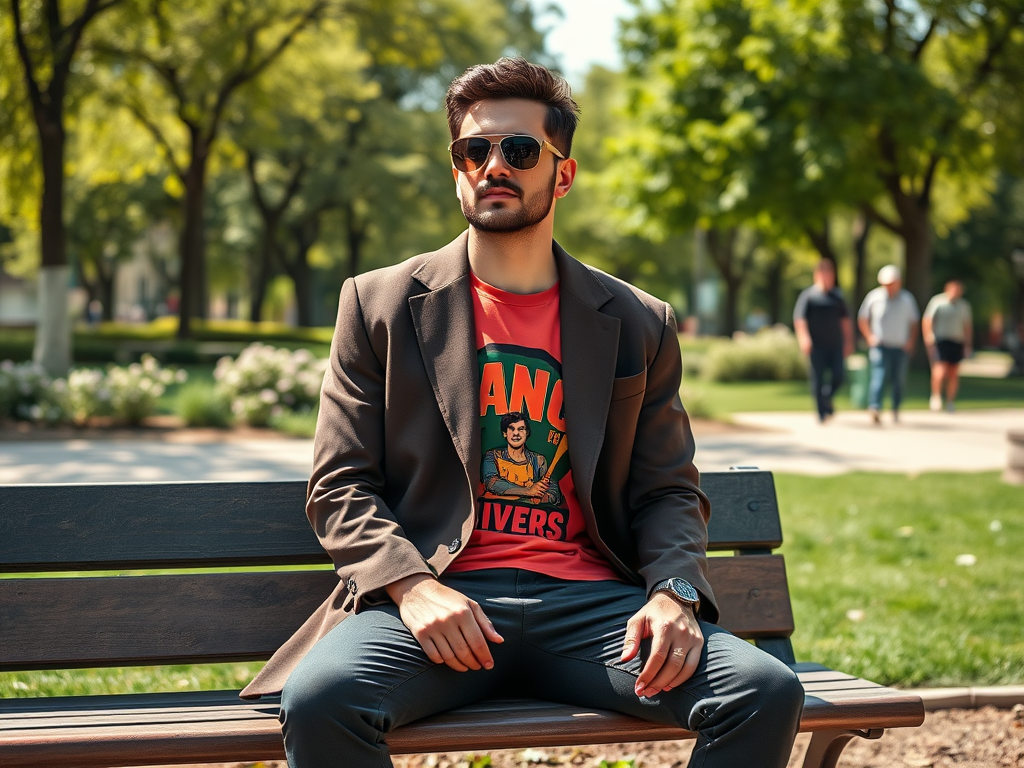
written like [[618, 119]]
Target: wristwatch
[[681, 590]]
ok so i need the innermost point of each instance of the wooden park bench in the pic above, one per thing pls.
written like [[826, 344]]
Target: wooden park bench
[[242, 605]]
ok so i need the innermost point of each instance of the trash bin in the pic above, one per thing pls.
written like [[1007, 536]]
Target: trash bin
[[859, 372]]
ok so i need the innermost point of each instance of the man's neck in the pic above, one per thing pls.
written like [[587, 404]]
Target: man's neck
[[518, 262]]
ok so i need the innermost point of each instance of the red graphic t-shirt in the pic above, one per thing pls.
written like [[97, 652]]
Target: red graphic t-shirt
[[528, 514]]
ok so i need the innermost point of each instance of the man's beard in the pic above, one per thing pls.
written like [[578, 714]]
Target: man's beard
[[533, 210]]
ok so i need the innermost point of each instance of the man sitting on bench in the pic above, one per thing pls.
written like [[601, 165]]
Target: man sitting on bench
[[576, 573]]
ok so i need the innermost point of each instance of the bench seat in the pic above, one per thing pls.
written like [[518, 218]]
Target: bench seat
[[218, 572], [216, 726]]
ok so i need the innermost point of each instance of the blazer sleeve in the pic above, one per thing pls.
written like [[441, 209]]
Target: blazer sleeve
[[344, 497], [670, 512]]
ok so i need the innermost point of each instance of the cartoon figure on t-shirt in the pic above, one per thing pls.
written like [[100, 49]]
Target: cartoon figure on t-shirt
[[516, 472]]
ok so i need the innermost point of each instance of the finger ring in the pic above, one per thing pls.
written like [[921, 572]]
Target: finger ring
[[679, 652]]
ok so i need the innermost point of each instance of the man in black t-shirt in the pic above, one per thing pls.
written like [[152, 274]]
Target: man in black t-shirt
[[825, 332]]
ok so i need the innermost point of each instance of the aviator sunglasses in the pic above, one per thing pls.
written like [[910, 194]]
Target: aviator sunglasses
[[520, 151]]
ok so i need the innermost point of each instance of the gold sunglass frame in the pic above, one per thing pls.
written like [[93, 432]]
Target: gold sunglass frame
[[544, 144]]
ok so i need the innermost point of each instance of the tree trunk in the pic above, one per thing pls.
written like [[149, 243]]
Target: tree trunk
[[775, 285], [305, 233], [861, 232], [722, 246], [356, 237], [918, 244], [192, 244], [822, 242], [53, 329], [263, 269]]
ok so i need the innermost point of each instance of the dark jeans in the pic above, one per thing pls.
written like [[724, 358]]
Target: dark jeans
[[826, 377], [887, 364], [562, 643]]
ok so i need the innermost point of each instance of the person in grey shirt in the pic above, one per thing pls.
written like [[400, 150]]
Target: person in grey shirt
[[888, 319], [948, 334], [825, 333]]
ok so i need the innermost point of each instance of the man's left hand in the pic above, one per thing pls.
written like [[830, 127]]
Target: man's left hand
[[675, 647]]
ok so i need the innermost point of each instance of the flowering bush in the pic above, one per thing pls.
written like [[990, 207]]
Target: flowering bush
[[265, 381], [85, 394], [26, 392], [135, 389], [128, 394]]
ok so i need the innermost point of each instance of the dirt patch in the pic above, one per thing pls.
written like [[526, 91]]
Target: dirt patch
[[964, 738]]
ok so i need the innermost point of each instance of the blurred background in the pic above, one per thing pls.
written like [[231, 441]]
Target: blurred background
[[169, 170]]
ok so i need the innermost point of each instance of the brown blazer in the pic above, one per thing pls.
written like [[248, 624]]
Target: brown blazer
[[397, 454]]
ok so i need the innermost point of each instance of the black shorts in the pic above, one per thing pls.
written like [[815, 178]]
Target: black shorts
[[949, 351]]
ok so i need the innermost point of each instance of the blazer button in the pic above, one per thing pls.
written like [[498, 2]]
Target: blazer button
[[454, 546], [352, 586]]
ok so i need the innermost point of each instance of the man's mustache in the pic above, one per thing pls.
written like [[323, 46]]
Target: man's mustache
[[487, 186]]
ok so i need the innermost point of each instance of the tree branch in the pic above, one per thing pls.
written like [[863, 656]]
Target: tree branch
[[247, 73], [929, 178], [873, 214], [154, 129], [919, 49], [34, 91]]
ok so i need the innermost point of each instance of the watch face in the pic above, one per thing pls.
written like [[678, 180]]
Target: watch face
[[684, 590]]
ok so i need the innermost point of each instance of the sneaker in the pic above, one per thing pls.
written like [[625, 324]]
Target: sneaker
[[935, 403], [950, 408], [875, 416]]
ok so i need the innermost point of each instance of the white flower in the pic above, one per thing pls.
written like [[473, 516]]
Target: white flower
[[995, 526], [855, 614], [966, 560]]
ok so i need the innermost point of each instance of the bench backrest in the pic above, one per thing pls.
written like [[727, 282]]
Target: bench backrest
[[238, 569]]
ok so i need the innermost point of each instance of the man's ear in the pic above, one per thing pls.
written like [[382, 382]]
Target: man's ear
[[565, 176]]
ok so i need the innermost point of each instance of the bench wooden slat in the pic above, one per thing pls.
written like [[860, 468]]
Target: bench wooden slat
[[169, 525], [246, 616], [150, 729]]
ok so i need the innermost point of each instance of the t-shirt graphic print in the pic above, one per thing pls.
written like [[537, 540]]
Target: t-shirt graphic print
[[527, 512]]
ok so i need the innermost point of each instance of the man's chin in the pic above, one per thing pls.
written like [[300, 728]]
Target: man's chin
[[499, 221]]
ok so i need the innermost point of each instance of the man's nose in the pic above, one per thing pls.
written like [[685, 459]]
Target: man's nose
[[495, 164]]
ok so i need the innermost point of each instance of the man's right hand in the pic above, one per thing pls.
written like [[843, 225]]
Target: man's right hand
[[450, 628]]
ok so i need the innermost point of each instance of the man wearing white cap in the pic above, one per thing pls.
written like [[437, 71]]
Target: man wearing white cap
[[888, 320]]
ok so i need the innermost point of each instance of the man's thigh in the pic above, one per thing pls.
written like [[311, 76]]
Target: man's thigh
[[372, 668], [572, 646]]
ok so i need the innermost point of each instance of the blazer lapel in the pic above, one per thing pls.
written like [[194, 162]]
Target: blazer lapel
[[443, 318], [590, 341]]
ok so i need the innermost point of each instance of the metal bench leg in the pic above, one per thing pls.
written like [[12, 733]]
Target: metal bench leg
[[826, 746]]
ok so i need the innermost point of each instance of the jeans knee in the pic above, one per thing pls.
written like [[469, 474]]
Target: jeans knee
[[781, 689], [312, 700]]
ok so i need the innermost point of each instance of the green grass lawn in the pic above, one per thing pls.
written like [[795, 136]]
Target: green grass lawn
[[726, 398], [887, 545], [872, 564]]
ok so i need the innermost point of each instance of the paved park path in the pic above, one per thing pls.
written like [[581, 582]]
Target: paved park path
[[781, 442]]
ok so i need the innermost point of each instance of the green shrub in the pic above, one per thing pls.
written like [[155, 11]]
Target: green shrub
[[295, 423], [696, 403], [769, 355], [28, 393], [200, 404], [135, 389], [85, 394], [265, 382]]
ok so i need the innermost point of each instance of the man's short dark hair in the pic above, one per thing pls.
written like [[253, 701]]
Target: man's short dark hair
[[515, 78], [511, 418]]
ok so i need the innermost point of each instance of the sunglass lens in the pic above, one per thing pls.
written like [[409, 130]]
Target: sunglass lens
[[469, 154], [521, 152]]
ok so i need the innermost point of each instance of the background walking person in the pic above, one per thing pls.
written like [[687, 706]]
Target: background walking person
[[948, 333], [825, 332], [888, 319]]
